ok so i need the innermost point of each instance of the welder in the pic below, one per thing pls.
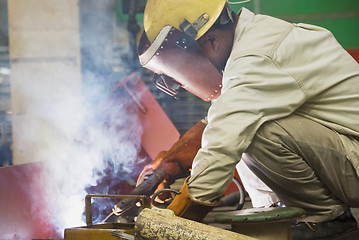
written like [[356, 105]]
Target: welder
[[284, 94]]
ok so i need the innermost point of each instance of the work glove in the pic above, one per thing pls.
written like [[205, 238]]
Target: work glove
[[178, 159], [150, 168], [184, 205]]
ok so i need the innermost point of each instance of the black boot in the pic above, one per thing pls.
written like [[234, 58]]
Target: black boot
[[324, 230]]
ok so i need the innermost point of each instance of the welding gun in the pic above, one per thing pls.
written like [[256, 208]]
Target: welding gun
[[168, 164], [146, 188]]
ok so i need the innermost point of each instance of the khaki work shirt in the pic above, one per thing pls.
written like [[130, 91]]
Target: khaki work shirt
[[275, 69]]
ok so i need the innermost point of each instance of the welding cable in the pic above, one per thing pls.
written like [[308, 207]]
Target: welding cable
[[108, 216], [234, 199], [154, 196]]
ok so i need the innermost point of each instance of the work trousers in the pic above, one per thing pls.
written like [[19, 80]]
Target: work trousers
[[305, 164]]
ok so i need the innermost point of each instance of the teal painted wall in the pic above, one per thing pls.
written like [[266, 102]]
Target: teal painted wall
[[121, 18], [340, 17]]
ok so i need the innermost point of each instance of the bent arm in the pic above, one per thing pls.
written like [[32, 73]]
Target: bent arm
[[247, 101]]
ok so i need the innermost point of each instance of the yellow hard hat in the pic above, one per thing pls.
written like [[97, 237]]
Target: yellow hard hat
[[160, 13]]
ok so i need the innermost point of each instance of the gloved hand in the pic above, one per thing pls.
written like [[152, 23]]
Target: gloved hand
[[169, 165], [185, 206], [150, 168], [178, 159]]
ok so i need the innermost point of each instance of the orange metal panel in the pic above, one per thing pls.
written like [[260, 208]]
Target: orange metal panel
[[159, 133], [354, 53]]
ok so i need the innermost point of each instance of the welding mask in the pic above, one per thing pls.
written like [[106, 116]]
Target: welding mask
[[168, 46], [177, 61]]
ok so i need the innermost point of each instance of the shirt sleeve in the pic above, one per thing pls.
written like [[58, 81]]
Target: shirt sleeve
[[255, 90]]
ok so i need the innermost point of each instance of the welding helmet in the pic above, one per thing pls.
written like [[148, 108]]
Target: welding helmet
[[168, 45]]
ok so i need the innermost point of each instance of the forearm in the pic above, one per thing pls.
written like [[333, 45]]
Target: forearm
[[210, 178]]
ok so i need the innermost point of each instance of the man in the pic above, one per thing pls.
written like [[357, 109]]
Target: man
[[287, 97]]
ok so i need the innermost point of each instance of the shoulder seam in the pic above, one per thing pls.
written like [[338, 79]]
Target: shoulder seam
[[284, 35]]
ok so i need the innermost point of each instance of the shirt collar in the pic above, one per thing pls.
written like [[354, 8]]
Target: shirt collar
[[245, 19]]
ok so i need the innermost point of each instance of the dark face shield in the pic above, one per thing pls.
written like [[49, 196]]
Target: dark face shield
[[178, 62]]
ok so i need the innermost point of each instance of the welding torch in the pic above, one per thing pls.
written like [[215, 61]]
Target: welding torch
[[147, 188], [167, 165]]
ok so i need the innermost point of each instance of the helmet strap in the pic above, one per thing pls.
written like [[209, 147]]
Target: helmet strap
[[226, 15], [192, 29]]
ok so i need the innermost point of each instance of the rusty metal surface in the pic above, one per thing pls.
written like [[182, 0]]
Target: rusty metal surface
[[107, 231]]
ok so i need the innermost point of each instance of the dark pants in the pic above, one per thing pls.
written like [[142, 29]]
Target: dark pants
[[305, 164]]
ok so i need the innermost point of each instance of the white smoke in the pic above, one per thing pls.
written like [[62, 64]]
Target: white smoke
[[80, 154]]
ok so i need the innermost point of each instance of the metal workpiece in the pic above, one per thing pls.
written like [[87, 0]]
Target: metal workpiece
[[273, 223], [146, 188], [158, 224], [106, 231], [130, 201]]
